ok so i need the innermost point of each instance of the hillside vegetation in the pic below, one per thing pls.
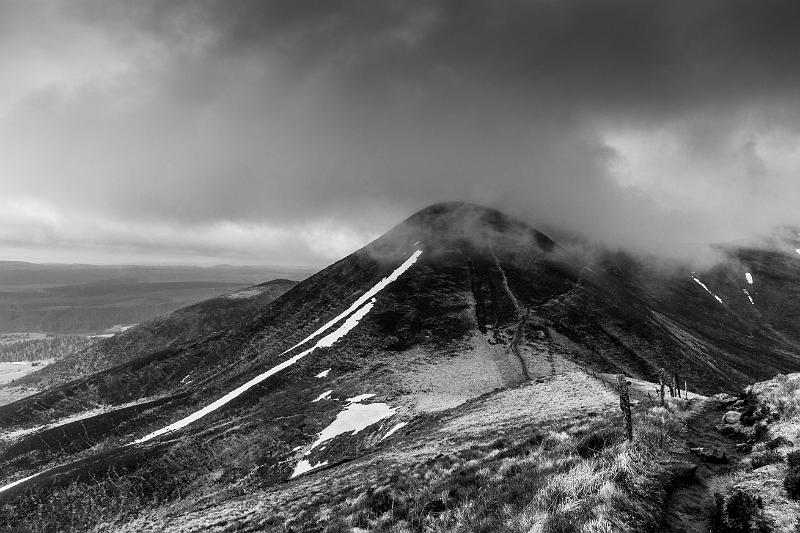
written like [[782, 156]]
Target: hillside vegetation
[[457, 374]]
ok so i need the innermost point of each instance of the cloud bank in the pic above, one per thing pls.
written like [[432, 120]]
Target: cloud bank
[[293, 132]]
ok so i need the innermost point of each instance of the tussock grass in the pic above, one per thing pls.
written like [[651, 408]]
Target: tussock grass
[[773, 409], [582, 479], [778, 398]]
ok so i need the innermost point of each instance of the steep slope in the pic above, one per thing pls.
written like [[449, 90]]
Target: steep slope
[[458, 306]]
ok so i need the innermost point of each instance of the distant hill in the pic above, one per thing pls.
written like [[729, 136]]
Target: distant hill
[[185, 325], [86, 299]]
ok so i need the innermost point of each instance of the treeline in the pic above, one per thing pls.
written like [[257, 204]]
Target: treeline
[[38, 349]]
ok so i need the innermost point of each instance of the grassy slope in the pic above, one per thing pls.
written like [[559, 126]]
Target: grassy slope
[[553, 458], [774, 409]]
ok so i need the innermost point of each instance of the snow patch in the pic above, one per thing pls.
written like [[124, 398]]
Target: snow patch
[[747, 293], [393, 430], [354, 418], [797, 250], [323, 374], [363, 298], [325, 342], [322, 396], [17, 482], [749, 277], [304, 466], [360, 398], [707, 289]]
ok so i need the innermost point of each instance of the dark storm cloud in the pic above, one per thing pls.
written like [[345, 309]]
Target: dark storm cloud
[[300, 129]]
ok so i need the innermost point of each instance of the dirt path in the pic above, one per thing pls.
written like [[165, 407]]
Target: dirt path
[[505, 284], [691, 503]]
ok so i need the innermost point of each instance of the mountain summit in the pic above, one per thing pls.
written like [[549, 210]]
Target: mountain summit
[[460, 320]]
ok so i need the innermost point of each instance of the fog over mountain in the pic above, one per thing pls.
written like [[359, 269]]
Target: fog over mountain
[[294, 132]]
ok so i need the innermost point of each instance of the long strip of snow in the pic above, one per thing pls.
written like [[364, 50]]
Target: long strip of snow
[[360, 398], [378, 287], [322, 396], [17, 482], [707, 289], [323, 374], [327, 341], [394, 430], [747, 293]]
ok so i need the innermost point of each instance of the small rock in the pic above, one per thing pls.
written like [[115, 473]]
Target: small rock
[[724, 397], [684, 470], [710, 455], [731, 417]]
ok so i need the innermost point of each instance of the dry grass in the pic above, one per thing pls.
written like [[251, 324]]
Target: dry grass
[[584, 478], [773, 409]]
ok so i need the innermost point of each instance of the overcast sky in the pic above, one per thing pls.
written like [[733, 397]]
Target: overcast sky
[[294, 132]]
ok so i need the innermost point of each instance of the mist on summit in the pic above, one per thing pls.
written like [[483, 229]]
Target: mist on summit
[[185, 132]]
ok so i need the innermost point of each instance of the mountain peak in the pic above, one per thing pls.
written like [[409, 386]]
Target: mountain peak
[[460, 225]]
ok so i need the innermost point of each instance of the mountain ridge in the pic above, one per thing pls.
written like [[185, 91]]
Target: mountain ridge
[[490, 308]]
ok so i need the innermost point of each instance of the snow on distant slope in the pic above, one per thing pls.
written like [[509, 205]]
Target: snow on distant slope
[[706, 288], [322, 396], [749, 277], [354, 314], [747, 293], [17, 482], [325, 342], [392, 431], [378, 287]]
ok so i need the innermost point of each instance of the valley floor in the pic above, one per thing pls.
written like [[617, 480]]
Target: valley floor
[[13, 371]]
